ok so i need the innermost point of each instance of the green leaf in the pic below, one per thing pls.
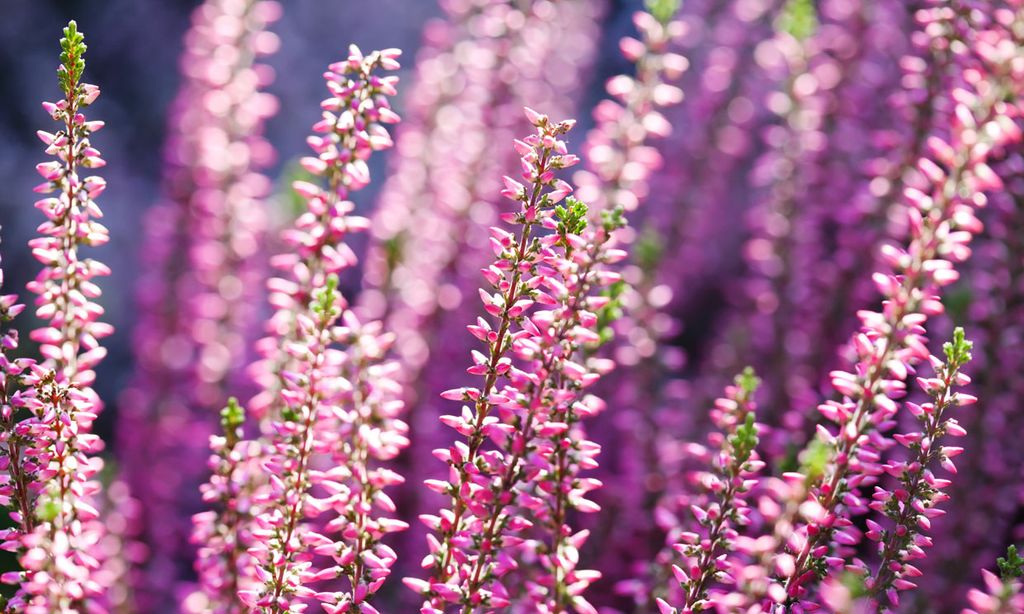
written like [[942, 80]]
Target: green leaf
[[613, 219], [324, 298], [571, 218], [814, 459], [744, 440]]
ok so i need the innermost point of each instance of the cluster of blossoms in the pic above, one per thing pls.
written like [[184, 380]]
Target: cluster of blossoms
[[50, 456], [528, 408], [735, 466], [201, 274], [940, 225], [914, 502], [944, 223], [312, 478], [981, 507], [318, 401]]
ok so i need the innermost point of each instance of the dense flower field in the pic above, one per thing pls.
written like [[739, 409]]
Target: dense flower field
[[748, 339]]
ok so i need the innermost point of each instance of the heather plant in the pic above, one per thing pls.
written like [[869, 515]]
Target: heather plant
[[307, 407], [774, 216], [988, 290], [910, 505], [50, 405], [734, 467], [465, 568]]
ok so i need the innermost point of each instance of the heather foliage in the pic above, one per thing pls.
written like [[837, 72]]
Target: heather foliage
[[504, 383]]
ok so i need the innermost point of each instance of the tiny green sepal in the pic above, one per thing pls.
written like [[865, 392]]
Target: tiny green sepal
[[663, 10], [958, 351], [1011, 567]]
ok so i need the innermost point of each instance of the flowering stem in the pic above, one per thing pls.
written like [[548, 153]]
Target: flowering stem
[[498, 349], [738, 448], [327, 312], [513, 472], [905, 298], [920, 490]]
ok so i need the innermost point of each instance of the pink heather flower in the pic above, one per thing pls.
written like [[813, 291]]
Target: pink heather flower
[[65, 287], [54, 468], [366, 434], [1002, 593], [353, 127], [318, 401], [202, 273], [59, 556], [550, 387], [940, 225], [915, 501], [221, 535], [20, 486], [708, 548], [529, 401], [282, 545]]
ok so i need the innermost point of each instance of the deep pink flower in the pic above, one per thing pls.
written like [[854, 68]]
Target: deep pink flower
[[56, 468], [940, 223], [318, 402], [708, 546], [515, 476]]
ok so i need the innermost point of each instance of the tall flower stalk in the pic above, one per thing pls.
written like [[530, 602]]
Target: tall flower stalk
[[465, 565], [913, 504], [734, 467], [563, 369], [367, 434], [941, 223], [310, 407], [59, 545], [219, 534]]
